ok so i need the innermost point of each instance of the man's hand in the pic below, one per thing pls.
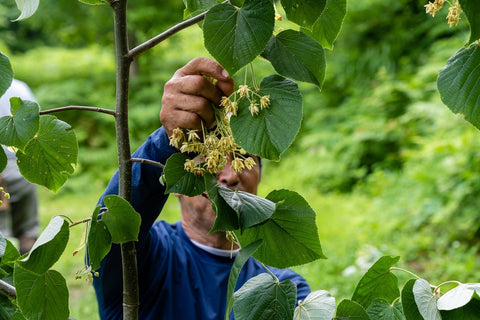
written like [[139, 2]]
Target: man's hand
[[188, 95]]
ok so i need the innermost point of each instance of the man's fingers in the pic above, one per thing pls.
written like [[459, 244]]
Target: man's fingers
[[203, 66]]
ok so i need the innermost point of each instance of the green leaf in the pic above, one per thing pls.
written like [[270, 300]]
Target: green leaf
[[227, 218], [27, 8], [3, 160], [471, 8], [381, 309], [291, 229], [458, 83], [240, 260], [51, 155], [378, 282], [7, 308], [471, 311], [99, 240], [327, 27], [251, 209], [122, 221], [41, 296], [194, 7], [6, 73], [410, 309], [295, 55], [17, 130], [181, 181], [350, 310], [9, 257], [48, 248], [261, 297], [426, 300], [237, 36], [458, 296], [303, 12], [273, 130], [318, 305]]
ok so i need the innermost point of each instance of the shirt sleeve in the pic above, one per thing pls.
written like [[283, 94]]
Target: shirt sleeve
[[148, 199]]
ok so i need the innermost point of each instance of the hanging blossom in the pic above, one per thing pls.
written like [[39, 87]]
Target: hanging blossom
[[454, 10]]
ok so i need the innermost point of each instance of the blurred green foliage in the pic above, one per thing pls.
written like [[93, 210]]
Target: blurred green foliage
[[384, 163]]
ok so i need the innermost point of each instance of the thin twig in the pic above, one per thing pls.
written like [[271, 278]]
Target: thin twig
[[8, 290], [155, 163], [95, 109]]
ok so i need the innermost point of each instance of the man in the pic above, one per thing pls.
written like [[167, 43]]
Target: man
[[183, 270], [21, 219]]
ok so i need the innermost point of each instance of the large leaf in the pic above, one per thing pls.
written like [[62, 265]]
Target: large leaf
[[351, 310], [378, 282], [295, 55], [410, 309], [328, 26], [471, 9], [318, 305], [27, 8], [236, 36], [41, 296], [51, 155], [3, 160], [458, 296], [381, 309], [7, 308], [261, 298], [426, 300], [6, 73], [9, 257], [458, 83], [291, 229], [251, 209], [122, 221], [470, 311], [181, 181], [99, 240], [227, 218], [194, 7], [48, 248], [273, 130], [240, 260], [303, 12], [17, 130]]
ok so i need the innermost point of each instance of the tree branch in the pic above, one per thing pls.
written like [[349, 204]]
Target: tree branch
[[155, 163], [7, 290], [165, 35], [95, 109]]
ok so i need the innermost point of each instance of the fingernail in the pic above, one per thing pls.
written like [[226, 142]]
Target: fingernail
[[225, 73]]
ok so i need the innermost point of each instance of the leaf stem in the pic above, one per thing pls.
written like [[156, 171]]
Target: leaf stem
[[404, 270], [270, 272], [95, 109]]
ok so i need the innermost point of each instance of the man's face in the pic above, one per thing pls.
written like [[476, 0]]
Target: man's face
[[246, 180]]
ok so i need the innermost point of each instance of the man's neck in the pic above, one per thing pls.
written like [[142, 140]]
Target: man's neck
[[216, 239]]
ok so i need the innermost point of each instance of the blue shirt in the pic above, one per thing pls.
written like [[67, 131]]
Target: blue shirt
[[177, 279]]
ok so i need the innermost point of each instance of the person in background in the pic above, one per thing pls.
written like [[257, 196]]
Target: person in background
[[20, 218], [183, 269]]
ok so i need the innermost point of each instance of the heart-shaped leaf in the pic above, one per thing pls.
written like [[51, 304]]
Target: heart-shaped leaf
[[458, 296], [27, 8], [17, 130], [227, 218], [303, 12], [51, 155], [426, 300], [327, 27], [240, 260], [122, 221], [318, 305], [381, 309], [291, 229], [236, 36], [295, 55], [261, 297], [471, 10], [378, 282], [181, 181], [41, 296], [351, 310], [48, 248], [410, 309], [458, 83], [274, 128], [99, 240], [6, 73], [251, 209]]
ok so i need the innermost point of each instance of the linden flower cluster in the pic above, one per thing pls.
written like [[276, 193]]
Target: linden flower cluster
[[215, 147], [453, 12], [256, 101], [5, 194]]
